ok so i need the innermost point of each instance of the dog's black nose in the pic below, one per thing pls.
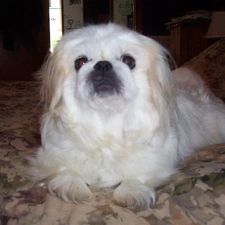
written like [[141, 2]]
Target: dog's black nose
[[103, 66]]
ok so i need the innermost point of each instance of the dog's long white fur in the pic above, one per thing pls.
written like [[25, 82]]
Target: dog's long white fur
[[134, 139]]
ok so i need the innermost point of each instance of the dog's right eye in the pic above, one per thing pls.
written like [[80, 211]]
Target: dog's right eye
[[80, 62]]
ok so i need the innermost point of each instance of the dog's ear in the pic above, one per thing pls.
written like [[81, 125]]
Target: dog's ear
[[161, 81], [51, 78]]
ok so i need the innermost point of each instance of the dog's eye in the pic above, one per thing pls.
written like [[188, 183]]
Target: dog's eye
[[80, 62], [129, 61]]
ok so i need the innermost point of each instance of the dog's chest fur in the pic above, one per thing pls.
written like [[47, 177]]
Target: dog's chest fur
[[103, 156]]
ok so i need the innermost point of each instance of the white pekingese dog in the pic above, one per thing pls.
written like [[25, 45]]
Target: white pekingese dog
[[114, 115]]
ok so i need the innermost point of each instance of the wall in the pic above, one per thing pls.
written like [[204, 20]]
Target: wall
[[30, 39], [157, 13], [72, 15]]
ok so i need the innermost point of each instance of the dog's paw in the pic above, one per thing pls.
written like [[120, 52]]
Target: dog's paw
[[69, 188], [133, 194]]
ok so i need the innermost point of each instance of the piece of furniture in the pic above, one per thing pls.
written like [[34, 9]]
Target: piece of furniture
[[186, 40], [210, 65], [194, 195]]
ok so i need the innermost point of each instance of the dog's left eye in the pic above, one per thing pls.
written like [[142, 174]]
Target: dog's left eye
[[80, 62], [129, 61]]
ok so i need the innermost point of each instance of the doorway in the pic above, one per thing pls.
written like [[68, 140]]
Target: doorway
[[55, 22]]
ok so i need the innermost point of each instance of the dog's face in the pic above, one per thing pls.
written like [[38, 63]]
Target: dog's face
[[106, 66]]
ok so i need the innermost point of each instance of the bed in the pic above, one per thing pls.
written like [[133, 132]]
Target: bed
[[194, 195]]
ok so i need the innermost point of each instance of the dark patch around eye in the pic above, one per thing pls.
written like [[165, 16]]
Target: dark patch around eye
[[80, 62], [130, 61]]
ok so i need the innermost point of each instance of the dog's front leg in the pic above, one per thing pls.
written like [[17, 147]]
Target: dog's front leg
[[70, 187], [134, 194]]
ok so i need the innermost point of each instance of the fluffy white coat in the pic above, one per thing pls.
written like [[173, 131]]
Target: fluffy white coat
[[133, 138]]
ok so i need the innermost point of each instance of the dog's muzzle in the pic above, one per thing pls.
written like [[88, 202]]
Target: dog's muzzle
[[104, 80]]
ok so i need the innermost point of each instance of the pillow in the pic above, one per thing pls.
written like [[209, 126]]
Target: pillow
[[210, 65]]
